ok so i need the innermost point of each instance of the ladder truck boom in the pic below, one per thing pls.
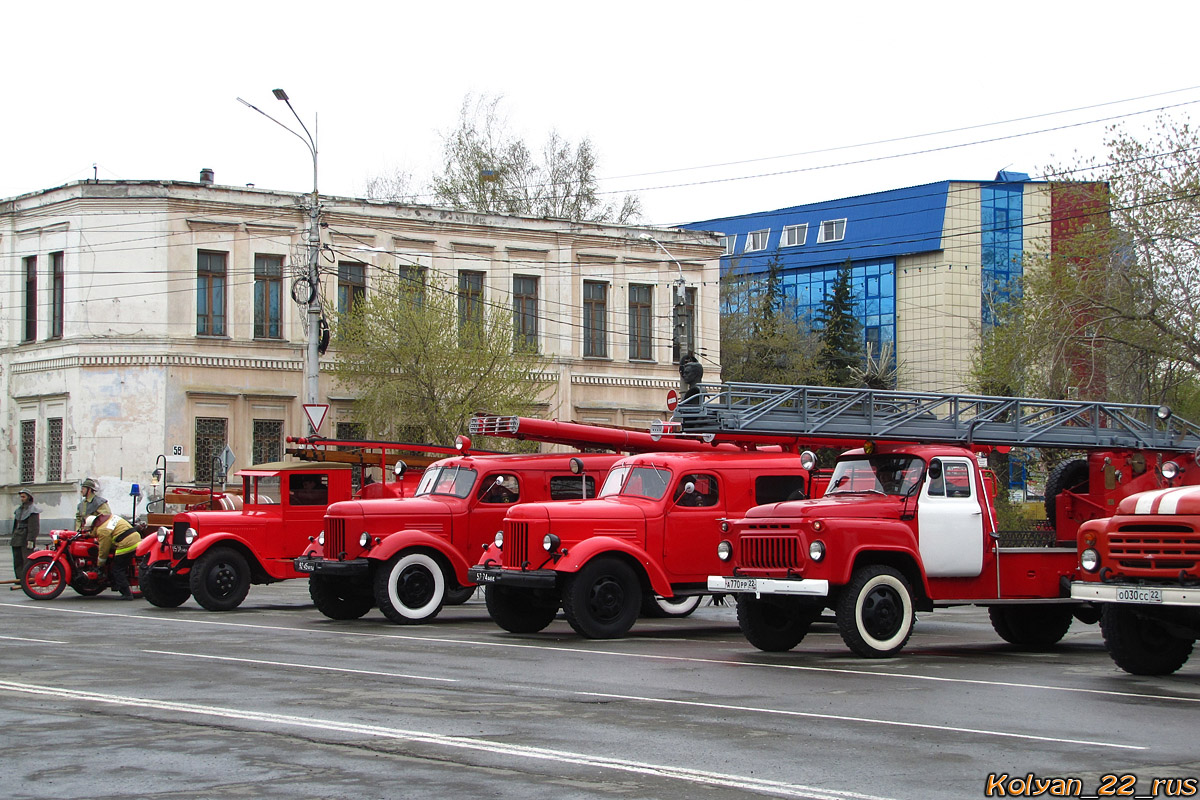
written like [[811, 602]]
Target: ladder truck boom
[[971, 420], [581, 435]]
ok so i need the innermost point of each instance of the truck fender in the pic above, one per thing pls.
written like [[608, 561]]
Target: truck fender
[[407, 539], [207, 542], [147, 544], [588, 549], [904, 559]]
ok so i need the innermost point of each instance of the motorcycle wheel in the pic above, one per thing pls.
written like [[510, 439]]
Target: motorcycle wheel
[[88, 587], [43, 579]]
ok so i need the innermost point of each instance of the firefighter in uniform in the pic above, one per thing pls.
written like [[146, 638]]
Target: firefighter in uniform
[[116, 536], [91, 503]]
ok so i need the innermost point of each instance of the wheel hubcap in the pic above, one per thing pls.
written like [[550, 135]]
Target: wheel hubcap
[[882, 613], [606, 599], [415, 587], [224, 578]]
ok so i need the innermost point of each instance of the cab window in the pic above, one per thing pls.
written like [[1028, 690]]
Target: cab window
[[451, 480], [261, 490], [308, 490], [500, 489], [702, 494], [777, 488], [572, 487]]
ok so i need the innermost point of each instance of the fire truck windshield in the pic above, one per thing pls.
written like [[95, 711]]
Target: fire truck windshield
[[637, 481], [451, 479], [884, 474]]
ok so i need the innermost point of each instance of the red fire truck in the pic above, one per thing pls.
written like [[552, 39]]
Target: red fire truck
[[908, 527], [410, 557], [216, 550], [651, 532], [1142, 565]]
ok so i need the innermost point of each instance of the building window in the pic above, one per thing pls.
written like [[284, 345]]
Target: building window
[[267, 441], [794, 235], [56, 295], [352, 285], [757, 240], [1002, 246], [595, 313], [730, 243], [30, 298], [268, 297], [641, 320], [832, 230], [683, 340], [525, 314], [210, 443], [210, 293], [28, 449], [54, 449], [412, 279], [470, 302]]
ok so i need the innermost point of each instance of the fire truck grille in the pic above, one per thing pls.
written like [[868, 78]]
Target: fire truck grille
[[1163, 549], [516, 544], [179, 533], [335, 536], [770, 551]]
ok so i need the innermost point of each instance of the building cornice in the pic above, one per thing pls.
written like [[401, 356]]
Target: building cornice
[[151, 360]]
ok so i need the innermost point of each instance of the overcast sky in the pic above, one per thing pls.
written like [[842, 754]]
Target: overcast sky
[[705, 109]]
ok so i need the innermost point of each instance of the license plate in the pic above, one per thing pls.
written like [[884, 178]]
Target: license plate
[[1130, 595], [305, 566], [741, 584], [483, 577], [179, 551]]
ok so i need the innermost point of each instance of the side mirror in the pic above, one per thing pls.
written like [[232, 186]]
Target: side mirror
[[689, 488], [935, 469]]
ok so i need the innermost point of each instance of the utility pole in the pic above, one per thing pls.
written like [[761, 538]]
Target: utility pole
[[306, 290], [686, 346]]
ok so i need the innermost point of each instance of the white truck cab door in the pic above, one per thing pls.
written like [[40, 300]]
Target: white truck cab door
[[950, 520]]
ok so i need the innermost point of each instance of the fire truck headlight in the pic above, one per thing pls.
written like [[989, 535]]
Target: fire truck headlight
[[189, 535], [1170, 469], [321, 538], [161, 535], [499, 540], [1089, 559], [816, 550], [725, 550], [364, 539], [550, 543]]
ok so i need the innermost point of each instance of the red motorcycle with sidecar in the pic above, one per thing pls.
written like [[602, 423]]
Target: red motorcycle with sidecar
[[70, 560]]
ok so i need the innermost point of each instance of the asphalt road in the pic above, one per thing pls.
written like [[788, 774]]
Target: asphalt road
[[100, 698]]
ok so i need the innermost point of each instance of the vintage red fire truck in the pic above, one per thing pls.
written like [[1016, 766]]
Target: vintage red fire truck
[[215, 554], [1142, 566], [908, 527], [651, 532], [410, 557]]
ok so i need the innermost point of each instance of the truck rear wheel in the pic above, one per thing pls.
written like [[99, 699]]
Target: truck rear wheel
[[339, 598], [875, 612], [602, 600], [775, 624], [459, 595], [163, 591], [220, 579], [672, 607], [1033, 626], [519, 611], [1142, 646], [410, 589]]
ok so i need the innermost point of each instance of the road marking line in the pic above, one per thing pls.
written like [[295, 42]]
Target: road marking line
[[615, 653], [702, 777], [27, 639], [844, 718], [316, 667]]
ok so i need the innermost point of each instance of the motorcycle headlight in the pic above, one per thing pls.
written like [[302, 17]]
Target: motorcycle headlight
[[550, 543], [1089, 559], [816, 550], [364, 539], [190, 535], [161, 535], [54, 537], [725, 550], [499, 540], [321, 538]]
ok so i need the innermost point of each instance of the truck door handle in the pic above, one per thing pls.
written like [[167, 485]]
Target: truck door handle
[[977, 512]]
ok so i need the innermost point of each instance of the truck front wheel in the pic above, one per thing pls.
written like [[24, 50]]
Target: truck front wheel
[[1142, 646], [410, 589], [163, 591], [602, 600], [1035, 626], [775, 624], [519, 611], [339, 598], [220, 579], [875, 612]]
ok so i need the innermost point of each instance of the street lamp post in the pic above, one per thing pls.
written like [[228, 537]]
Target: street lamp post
[[685, 345], [306, 290]]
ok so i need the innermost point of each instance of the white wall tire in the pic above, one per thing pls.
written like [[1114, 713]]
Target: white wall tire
[[875, 612], [410, 589]]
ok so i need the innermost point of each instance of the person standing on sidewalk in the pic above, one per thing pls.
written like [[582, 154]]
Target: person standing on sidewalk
[[26, 522]]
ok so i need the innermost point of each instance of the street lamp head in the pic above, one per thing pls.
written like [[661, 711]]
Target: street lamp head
[[280, 94], [645, 237]]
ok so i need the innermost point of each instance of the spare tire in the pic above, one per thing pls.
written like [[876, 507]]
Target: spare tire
[[1069, 475]]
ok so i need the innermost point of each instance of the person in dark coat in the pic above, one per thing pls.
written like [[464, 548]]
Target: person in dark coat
[[26, 521], [90, 503]]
